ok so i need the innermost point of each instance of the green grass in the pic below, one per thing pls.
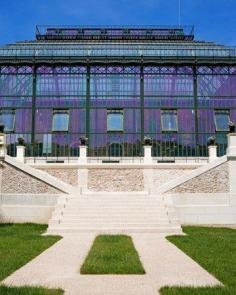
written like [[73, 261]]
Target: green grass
[[20, 243], [112, 254], [215, 250], [29, 291]]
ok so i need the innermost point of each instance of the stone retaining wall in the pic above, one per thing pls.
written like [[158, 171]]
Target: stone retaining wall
[[68, 175], [21, 208], [16, 181], [115, 180], [215, 180], [162, 176]]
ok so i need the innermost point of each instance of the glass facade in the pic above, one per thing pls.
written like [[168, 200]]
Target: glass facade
[[115, 104]]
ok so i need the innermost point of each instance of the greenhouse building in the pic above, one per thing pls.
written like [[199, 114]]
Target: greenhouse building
[[116, 86]]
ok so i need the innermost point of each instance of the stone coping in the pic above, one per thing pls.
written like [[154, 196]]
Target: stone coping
[[117, 165]]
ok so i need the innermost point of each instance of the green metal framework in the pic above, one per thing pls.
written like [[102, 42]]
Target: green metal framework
[[141, 77]]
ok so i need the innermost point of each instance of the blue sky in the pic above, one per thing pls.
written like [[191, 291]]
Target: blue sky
[[214, 20]]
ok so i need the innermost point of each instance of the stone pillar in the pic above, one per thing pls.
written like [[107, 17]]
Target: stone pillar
[[148, 154], [82, 180], [2, 145], [3, 152], [231, 155], [83, 154], [20, 153], [83, 172], [212, 152]]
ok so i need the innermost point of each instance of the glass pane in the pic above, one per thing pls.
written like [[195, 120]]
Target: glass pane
[[169, 121], [115, 121], [222, 120], [60, 122], [47, 143], [115, 150], [8, 119]]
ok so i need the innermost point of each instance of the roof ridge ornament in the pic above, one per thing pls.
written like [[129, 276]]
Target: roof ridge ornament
[[184, 33]]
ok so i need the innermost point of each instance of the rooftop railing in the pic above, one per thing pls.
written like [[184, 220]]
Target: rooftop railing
[[114, 33]]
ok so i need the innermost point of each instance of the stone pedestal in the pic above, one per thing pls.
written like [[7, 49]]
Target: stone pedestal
[[20, 153], [212, 152], [231, 150], [147, 154], [2, 145], [83, 154]]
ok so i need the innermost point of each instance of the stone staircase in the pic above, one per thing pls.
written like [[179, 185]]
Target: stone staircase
[[113, 213]]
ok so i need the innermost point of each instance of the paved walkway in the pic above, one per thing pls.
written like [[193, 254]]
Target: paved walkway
[[59, 267]]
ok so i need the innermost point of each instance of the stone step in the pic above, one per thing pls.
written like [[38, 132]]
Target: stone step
[[71, 224], [113, 202], [137, 213], [117, 209], [113, 212], [110, 226], [111, 207], [111, 215], [114, 207], [117, 193], [120, 199], [100, 230], [116, 196], [111, 219], [172, 214]]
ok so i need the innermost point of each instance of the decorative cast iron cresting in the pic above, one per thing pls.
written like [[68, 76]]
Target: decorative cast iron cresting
[[185, 33]]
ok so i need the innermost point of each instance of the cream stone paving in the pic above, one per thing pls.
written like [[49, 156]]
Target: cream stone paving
[[163, 262]]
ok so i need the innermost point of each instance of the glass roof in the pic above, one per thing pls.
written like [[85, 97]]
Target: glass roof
[[102, 49], [83, 47]]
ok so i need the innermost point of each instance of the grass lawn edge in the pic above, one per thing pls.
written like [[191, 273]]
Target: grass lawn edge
[[112, 255]]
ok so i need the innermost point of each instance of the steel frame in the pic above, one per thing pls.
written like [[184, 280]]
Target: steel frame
[[141, 62]]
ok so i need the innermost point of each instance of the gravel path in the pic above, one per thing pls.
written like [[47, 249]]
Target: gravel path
[[59, 267]]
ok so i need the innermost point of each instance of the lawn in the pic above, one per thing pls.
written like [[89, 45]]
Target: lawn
[[29, 291], [112, 254], [215, 250], [20, 243]]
